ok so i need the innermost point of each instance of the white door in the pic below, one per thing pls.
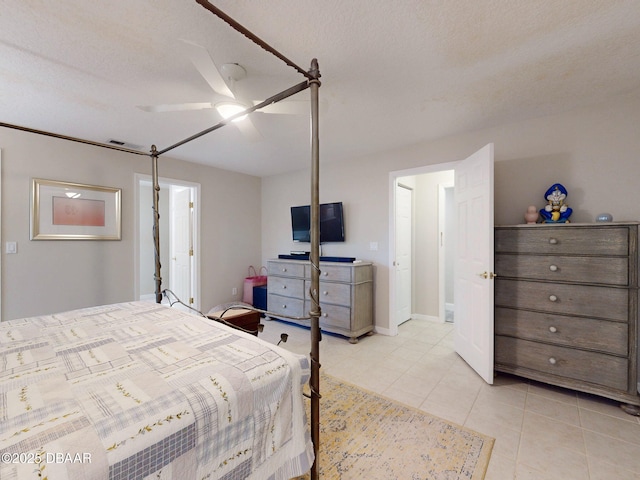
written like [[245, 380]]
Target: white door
[[473, 289], [404, 260], [181, 243]]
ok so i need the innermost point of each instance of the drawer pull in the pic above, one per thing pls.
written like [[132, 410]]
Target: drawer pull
[[325, 293], [553, 268], [552, 361], [325, 315], [553, 298], [553, 241], [553, 329], [284, 306], [284, 269], [284, 286], [325, 273]]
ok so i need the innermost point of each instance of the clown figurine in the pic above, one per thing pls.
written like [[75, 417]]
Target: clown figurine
[[556, 211]]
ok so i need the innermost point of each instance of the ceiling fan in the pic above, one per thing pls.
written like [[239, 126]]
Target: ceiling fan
[[227, 101]]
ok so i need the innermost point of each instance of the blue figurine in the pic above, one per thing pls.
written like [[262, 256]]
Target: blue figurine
[[556, 211]]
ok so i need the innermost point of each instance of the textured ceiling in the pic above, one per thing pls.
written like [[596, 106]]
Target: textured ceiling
[[393, 73]]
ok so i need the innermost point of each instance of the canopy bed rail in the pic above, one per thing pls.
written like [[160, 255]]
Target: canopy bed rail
[[311, 82]]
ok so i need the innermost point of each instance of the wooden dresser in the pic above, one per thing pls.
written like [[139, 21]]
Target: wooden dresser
[[346, 294], [566, 306]]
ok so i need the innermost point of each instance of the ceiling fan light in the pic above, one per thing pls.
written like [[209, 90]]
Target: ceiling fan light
[[227, 110]]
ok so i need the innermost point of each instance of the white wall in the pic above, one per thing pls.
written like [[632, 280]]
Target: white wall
[[52, 276], [593, 151]]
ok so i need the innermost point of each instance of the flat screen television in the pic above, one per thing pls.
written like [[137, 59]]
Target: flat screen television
[[331, 223]]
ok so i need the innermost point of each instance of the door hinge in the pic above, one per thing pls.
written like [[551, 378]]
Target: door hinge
[[191, 252], [190, 300], [190, 204]]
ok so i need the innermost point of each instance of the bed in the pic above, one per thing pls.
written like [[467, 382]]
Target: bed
[[142, 390]]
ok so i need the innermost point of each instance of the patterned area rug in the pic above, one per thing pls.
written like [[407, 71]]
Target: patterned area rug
[[366, 436]]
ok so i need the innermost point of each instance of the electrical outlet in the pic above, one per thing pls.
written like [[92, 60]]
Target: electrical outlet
[[234, 291]]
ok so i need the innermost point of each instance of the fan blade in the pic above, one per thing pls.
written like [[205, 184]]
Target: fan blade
[[204, 64], [175, 107], [291, 107], [248, 129]]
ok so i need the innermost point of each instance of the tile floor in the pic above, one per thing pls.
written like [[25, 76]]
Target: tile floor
[[541, 432]]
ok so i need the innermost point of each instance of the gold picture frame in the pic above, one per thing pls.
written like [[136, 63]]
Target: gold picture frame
[[73, 211]]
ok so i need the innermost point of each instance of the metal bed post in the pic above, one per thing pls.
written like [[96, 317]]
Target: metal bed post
[[156, 223], [314, 258]]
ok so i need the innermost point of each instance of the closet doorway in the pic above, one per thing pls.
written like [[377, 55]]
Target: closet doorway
[[473, 257], [420, 226], [179, 239]]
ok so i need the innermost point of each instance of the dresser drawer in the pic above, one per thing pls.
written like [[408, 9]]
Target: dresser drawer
[[584, 300], [293, 307], [336, 293], [335, 316], [596, 368], [563, 239], [289, 287], [335, 273], [603, 270], [289, 269], [579, 332]]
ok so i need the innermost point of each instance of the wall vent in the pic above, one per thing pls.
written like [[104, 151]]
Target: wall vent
[[120, 143]]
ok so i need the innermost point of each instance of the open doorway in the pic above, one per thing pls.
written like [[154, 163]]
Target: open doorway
[[179, 239], [473, 257], [430, 288]]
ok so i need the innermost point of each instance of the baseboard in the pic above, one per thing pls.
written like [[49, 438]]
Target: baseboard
[[426, 318], [382, 331]]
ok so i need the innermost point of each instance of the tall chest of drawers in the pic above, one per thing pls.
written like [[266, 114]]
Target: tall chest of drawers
[[345, 294], [566, 306]]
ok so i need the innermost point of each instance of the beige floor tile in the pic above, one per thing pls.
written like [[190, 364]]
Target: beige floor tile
[[613, 451], [503, 394], [449, 411], [604, 405], [599, 470], [554, 393], [544, 430], [626, 429], [500, 467], [554, 460], [549, 407], [500, 414]]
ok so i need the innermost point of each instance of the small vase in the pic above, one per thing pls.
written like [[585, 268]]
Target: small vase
[[604, 217], [531, 215]]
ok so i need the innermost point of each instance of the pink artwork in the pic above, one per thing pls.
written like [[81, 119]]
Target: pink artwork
[[78, 212]]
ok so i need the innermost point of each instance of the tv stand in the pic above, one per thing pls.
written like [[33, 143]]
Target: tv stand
[[305, 256], [346, 295]]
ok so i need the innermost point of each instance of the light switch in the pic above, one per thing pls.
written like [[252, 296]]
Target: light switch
[[11, 247]]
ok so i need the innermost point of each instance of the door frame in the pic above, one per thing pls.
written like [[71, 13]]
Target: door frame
[[393, 181], [164, 182], [442, 249]]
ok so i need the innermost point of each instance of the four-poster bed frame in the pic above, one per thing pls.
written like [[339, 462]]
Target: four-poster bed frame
[[312, 82]]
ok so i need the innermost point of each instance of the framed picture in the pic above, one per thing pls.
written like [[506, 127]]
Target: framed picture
[[72, 211]]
